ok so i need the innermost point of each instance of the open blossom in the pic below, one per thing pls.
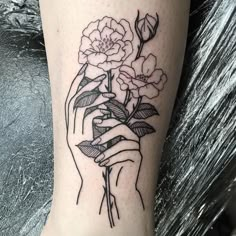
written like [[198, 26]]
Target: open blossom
[[142, 78], [106, 43]]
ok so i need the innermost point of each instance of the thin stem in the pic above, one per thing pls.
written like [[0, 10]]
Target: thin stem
[[127, 97], [135, 110], [108, 169], [108, 197], [109, 79], [140, 48]]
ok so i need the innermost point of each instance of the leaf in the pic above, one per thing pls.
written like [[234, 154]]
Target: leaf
[[141, 128], [118, 109], [89, 110], [90, 150], [84, 82], [97, 131], [116, 140], [145, 111], [85, 99]]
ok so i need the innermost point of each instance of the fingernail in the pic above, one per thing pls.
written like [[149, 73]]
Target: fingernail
[[108, 95], [103, 163], [96, 141], [84, 67], [99, 158], [99, 78], [105, 112], [97, 121]]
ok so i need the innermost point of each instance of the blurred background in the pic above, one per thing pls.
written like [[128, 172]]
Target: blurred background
[[196, 191]]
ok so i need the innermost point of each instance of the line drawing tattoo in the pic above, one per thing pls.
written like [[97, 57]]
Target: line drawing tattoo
[[107, 123]]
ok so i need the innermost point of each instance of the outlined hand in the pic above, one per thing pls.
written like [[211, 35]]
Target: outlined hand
[[75, 121], [124, 157]]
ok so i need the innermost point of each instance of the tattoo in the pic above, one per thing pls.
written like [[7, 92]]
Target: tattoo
[[104, 127]]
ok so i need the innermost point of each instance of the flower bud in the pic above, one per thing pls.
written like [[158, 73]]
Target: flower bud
[[146, 28]]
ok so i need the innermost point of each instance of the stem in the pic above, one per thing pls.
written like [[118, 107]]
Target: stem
[[135, 110], [108, 169], [127, 97], [140, 48], [108, 197]]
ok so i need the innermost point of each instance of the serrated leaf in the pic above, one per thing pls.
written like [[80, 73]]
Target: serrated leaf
[[90, 150], [141, 128], [86, 99], [117, 108], [145, 111]]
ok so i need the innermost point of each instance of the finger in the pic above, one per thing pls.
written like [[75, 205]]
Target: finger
[[124, 156], [124, 145], [117, 130], [73, 88], [109, 123]]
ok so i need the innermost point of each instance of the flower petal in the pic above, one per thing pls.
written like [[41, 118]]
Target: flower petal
[[108, 65], [85, 44], [129, 71], [95, 45], [128, 32], [137, 65], [149, 65], [140, 24], [155, 76], [95, 35], [106, 33], [88, 52], [116, 36], [128, 48], [82, 58], [96, 58], [123, 86], [139, 83], [90, 28], [113, 50], [127, 81], [117, 56], [135, 93], [151, 20], [106, 21], [121, 43], [118, 27], [160, 85], [149, 91], [164, 78]]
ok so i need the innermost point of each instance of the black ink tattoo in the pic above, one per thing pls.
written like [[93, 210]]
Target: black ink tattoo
[[101, 125]]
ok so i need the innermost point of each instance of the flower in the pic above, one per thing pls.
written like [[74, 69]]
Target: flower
[[106, 43], [146, 28], [142, 78]]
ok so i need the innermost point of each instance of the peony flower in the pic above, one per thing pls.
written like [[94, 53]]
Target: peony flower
[[146, 28], [106, 43], [142, 78]]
